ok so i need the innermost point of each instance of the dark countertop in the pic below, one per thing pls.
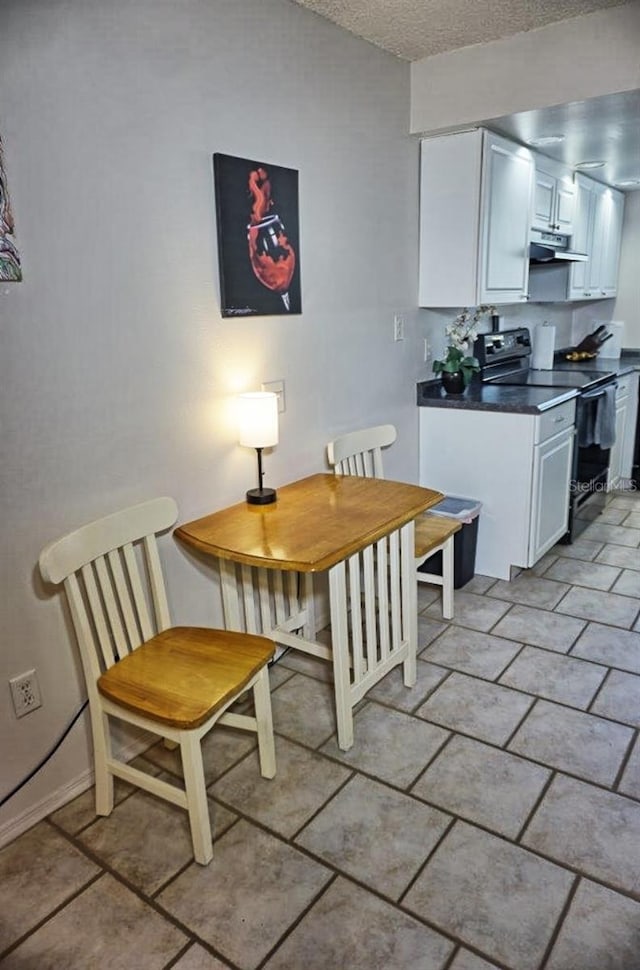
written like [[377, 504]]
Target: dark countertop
[[494, 397], [629, 361], [520, 399]]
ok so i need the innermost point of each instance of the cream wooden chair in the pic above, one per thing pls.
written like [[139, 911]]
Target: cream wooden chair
[[360, 453], [176, 682]]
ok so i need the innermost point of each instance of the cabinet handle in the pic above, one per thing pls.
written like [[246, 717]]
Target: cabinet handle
[[604, 292], [559, 420]]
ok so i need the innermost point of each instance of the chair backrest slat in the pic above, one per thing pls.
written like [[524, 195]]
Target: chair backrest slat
[[156, 583], [135, 582], [124, 599], [84, 632], [360, 452], [98, 617], [111, 607]]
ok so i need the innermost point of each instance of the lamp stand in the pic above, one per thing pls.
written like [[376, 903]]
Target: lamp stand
[[260, 495]]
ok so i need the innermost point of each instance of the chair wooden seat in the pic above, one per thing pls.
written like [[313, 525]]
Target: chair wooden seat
[[175, 682], [360, 453], [185, 674], [432, 531]]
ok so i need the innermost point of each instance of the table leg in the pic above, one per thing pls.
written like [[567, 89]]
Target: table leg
[[230, 599], [409, 582], [340, 648]]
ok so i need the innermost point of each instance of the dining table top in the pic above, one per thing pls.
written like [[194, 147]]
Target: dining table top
[[314, 523]]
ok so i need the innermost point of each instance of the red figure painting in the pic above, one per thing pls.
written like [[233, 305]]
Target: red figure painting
[[258, 244]]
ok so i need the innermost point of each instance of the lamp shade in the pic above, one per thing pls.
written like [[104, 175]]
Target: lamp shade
[[258, 419]]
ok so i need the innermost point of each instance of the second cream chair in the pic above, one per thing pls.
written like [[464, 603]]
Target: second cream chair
[[360, 453]]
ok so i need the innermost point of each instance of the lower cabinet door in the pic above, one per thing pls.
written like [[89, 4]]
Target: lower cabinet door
[[552, 464]]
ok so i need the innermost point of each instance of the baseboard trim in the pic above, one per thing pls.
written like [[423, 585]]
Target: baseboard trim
[[56, 799]]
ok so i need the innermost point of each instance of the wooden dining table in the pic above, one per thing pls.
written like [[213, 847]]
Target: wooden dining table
[[360, 531]]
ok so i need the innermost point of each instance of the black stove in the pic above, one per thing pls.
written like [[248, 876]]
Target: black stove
[[505, 359]]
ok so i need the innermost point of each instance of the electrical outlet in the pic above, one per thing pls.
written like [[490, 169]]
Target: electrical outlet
[[427, 350], [398, 327], [276, 387], [25, 693]]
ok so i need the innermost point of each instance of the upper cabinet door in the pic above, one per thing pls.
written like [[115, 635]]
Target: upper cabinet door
[[554, 198], [598, 232], [506, 205]]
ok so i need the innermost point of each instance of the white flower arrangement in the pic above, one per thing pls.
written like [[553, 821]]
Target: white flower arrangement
[[461, 335]]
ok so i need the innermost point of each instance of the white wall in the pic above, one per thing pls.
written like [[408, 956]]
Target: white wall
[[118, 373], [573, 60]]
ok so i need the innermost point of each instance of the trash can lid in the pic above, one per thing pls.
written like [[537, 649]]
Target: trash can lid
[[455, 507]]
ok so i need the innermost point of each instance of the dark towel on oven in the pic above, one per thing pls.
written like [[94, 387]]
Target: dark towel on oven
[[604, 432]]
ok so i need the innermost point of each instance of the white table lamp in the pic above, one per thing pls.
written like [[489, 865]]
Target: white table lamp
[[258, 428]]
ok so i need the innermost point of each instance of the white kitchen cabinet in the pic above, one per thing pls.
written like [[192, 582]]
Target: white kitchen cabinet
[[517, 465], [597, 232], [476, 194], [621, 458], [554, 197]]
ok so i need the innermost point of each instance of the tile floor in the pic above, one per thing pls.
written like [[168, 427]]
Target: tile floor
[[487, 818]]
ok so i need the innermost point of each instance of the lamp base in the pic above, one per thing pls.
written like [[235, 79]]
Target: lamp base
[[261, 496]]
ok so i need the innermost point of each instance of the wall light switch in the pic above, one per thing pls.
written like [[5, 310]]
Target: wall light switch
[[276, 387]]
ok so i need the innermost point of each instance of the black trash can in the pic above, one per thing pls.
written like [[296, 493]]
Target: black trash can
[[467, 511]]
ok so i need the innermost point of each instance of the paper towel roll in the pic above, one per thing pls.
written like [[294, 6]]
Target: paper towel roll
[[544, 344], [613, 347]]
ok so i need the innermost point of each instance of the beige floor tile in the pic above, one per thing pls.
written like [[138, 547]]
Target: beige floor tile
[[622, 500], [620, 535], [630, 783], [601, 930], [304, 710], [530, 591], [540, 628], [592, 604], [477, 584], [428, 630], [77, 814], [594, 831], [472, 652], [612, 516], [221, 748], [593, 575], [619, 556], [587, 549], [578, 743], [375, 834], [38, 871], [251, 892], [619, 699], [482, 784], [633, 520], [304, 781], [472, 611], [628, 583], [147, 840], [611, 646], [483, 710], [469, 961], [522, 896], [554, 676], [391, 689], [295, 661], [106, 926], [350, 928], [197, 958], [390, 745]]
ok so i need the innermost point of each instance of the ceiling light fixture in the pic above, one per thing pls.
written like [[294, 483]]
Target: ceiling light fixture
[[546, 140], [627, 183], [589, 165]]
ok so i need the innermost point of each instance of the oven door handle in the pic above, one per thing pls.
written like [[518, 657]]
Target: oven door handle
[[590, 395]]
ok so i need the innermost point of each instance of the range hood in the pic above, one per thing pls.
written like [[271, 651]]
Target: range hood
[[548, 247]]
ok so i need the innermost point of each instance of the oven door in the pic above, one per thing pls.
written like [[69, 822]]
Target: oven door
[[590, 466]]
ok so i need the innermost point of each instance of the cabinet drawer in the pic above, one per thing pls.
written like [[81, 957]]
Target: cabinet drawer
[[555, 420]]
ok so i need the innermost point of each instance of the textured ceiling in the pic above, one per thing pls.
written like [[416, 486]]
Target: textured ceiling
[[412, 29]]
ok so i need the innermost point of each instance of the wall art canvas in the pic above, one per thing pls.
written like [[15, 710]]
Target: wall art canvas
[[9, 257], [258, 237]]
